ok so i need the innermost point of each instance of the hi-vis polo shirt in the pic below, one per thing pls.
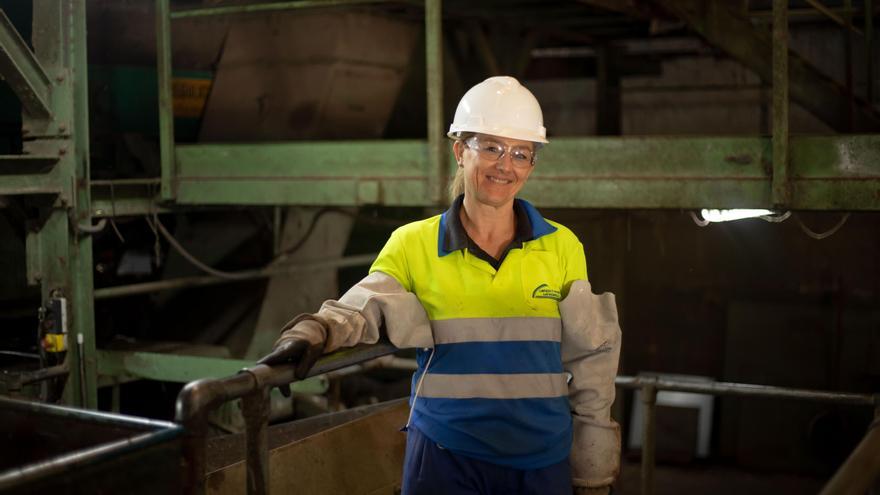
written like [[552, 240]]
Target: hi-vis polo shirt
[[494, 388]]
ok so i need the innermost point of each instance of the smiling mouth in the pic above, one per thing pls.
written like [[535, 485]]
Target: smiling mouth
[[498, 180]]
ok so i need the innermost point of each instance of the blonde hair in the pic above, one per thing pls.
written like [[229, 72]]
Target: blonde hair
[[456, 187]]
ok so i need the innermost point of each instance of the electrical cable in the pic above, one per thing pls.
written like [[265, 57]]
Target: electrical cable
[[305, 237], [823, 235], [158, 228], [192, 259]]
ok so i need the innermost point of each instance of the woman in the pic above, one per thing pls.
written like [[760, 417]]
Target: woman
[[496, 299]]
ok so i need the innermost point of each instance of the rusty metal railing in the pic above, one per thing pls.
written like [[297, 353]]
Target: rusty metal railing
[[860, 470], [252, 385]]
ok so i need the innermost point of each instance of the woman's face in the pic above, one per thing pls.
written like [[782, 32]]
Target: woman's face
[[490, 180]]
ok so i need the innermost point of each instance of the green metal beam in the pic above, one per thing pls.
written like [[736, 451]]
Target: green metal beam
[[277, 6], [22, 71], [25, 164], [723, 26], [438, 152], [56, 161], [81, 269], [781, 188], [836, 172], [330, 173], [166, 99], [122, 366], [11, 185]]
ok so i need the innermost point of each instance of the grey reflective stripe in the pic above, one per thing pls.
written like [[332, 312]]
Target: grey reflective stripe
[[495, 386], [496, 330]]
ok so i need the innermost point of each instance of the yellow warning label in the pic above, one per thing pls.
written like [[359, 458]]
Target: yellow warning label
[[190, 96], [55, 342]]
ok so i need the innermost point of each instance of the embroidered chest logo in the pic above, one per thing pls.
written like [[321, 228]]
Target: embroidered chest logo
[[544, 291]]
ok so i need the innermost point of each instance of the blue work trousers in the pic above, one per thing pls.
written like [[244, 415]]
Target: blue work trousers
[[429, 469]]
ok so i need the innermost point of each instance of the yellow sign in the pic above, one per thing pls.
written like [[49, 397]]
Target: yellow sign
[[190, 96]]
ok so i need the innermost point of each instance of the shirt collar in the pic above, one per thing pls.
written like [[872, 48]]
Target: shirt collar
[[530, 225]]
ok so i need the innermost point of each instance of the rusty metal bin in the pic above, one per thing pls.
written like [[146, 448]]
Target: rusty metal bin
[[60, 450]]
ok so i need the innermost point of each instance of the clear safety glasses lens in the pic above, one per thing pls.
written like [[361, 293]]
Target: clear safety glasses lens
[[490, 150]]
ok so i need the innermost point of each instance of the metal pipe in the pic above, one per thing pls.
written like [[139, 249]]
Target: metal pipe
[[842, 21], [255, 408], [23, 378], [649, 400], [81, 366], [861, 468], [154, 181], [201, 281], [198, 398], [437, 163], [745, 389], [166, 100], [115, 400], [781, 193], [276, 6], [16, 479], [869, 51]]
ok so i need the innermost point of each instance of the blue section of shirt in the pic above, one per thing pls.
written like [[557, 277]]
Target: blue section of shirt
[[497, 357], [518, 433]]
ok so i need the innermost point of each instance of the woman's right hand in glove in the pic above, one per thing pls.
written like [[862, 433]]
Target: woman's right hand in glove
[[301, 345]]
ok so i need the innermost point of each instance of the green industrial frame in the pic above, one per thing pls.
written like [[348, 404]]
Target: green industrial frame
[[810, 173]]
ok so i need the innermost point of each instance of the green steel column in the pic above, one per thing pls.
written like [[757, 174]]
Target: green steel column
[[59, 257], [848, 66], [166, 100], [437, 163], [869, 50], [780, 187], [82, 285]]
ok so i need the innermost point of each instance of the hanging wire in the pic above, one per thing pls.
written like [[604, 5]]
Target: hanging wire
[[113, 214], [823, 235], [699, 221], [776, 218], [192, 259], [158, 228]]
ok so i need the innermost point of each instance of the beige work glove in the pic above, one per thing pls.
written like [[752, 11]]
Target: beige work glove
[[590, 352]]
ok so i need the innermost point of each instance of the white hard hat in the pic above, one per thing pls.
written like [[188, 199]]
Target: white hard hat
[[500, 106]]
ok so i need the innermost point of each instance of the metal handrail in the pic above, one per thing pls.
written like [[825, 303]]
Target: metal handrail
[[197, 399], [852, 474]]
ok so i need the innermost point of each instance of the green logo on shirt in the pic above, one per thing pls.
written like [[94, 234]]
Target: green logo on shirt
[[544, 291]]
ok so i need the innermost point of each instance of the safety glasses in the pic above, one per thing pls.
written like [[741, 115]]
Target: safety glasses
[[491, 150]]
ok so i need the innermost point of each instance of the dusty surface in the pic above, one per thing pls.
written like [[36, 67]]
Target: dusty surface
[[714, 480]]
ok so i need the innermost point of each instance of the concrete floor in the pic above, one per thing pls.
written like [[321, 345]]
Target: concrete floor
[[715, 480]]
